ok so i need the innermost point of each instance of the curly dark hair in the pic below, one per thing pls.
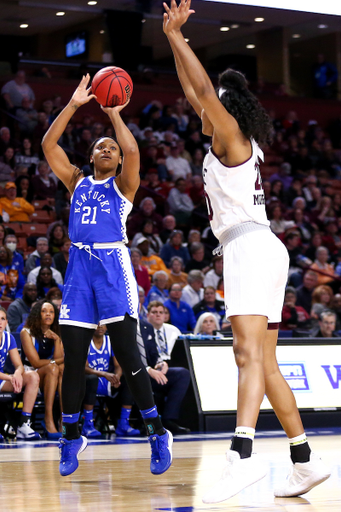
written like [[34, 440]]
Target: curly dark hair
[[251, 117], [40, 285], [33, 321], [91, 148]]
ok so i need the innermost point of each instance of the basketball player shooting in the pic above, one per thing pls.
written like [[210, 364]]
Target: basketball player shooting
[[100, 285], [255, 263]]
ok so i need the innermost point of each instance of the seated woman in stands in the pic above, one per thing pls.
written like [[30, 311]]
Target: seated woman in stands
[[56, 239], [207, 324], [42, 350], [45, 282], [17, 381]]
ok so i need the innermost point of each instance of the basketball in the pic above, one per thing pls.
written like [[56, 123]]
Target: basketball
[[112, 86]]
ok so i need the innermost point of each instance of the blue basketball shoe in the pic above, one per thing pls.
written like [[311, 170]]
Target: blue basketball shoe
[[161, 452], [90, 431], [69, 451], [123, 429]]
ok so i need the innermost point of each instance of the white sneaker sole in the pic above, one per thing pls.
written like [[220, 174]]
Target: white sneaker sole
[[298, 492], [84, 445]]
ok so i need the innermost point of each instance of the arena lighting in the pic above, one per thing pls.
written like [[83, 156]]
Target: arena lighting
[[24, 25], [250, 46], [326, 7], [92, 2], [224, 29], [60, 13]]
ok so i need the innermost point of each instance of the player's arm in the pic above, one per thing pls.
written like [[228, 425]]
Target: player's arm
[[30, 351], [17, 377], [224, 124], [55, 155], [129, 179]]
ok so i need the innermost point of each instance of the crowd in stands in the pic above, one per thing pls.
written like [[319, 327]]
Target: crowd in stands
[[168, 230]]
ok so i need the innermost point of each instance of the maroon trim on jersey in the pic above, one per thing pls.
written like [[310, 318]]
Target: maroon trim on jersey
[[273, 326], [232, 166]]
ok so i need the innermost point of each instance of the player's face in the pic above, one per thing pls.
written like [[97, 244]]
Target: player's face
[[3, 321], [207, 126], [47, 314], [101, 330], [106, 155]]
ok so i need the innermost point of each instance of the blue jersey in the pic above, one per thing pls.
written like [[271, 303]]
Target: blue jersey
[[7, 343], [99, 212], [99, 359]]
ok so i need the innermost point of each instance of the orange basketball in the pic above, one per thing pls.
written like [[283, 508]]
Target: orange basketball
[[112, 86]]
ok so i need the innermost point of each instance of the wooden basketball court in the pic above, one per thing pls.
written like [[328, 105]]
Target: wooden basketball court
[[116, 477]]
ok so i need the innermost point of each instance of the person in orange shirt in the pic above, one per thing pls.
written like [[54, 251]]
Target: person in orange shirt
[[151, 261], [17, 208]]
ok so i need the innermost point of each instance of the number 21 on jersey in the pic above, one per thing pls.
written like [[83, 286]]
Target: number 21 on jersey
[[89, 215]]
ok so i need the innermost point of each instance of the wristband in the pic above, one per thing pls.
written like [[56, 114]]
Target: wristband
[[148, 368], [52, 361]]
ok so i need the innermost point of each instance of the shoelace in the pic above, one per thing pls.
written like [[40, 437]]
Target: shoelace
[[155, 445]]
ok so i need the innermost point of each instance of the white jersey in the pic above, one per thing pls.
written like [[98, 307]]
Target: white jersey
[[234, 194]]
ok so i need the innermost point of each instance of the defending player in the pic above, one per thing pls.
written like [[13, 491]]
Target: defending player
[[255, 262], [100, 286]]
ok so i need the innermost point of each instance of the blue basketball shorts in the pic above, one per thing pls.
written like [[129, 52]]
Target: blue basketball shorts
[[100, 286], [104, 388]]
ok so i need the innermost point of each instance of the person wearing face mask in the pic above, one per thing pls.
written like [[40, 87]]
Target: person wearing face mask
[[11, 243]]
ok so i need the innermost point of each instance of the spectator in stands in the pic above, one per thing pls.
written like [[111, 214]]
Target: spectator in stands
[[210, 304], [56, 239], [3, 234], [175, 273], [153, 262], [15, 90], [325, 78], [197, 190], [193, 292], [61, 258], [197, 162], [174, 247], [315, 242], [183, 152], [141, 272], [45, 281], [326, 326], [142, 309], [295, 190], [278, 224], [19, 309], [194, 142], [82, 147], [177, 166], [155, 243], [26, 157], [283, 175], [17, 208], [213, 276], [6, 140], [323, 213], [169, 382], [293, 316], [168, 226], [336, 307], [159, 289], [42, 350], [28, 117], [154, 183], [39, 131], [8, 158], [24, 188], [13, 287], [331, 238], [33, 260], [55, 296], [181, 313], [305, 291], [18, 381], [322, 294], [302, 223], [180, 116], [277, 192], [6, 172], [327, 274], [45, 261], [7, 265], [180, 203], [44, 186], [207, 324], [146, 211]]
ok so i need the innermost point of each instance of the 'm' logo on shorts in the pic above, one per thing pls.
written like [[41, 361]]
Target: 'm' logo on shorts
[[64, 311]]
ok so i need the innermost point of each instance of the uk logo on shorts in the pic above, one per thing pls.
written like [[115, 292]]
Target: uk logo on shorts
[[64, 311]]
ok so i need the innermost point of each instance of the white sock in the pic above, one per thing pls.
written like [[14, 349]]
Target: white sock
[[246, 432]]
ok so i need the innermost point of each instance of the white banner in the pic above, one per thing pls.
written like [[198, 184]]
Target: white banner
[[325, 7], [313, 372]]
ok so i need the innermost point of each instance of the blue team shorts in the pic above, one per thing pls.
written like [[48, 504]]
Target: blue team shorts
[[100, 287], [104, 388]]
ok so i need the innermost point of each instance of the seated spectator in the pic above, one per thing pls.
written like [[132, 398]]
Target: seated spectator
[[175, 273], [181, 313], [159, 289], [82, 148], [193, 292], [55, 295], [156, 185], [169, 383], [61, 258], [152, 262], [278, 225], [212, 277], [197, 190], [155, 243], [220, 291], [327, 274], [283, 175], [17, 208], [6, 140], [177, 166], [141, 272], [335, 306], [33, 260], [331, 239], [315, 314], [210, 304], [168, 226], [42, 350], [24, 188], [106, 374], [26, 157], [207, 324], [293, 316], [56, 239], [315, 242], [174, 247], [11, 280], [27, 117], [198, 260], [180, 203], [142, 309], [305, 291], [19, 381], [20, 308], [44, 186], [326, 327], [301, 222], [15, 90], [197, 162], [45, 261], [11, 243], [146, 211], [8, 158], [39, 131], [322, 294], [6, 173], [45, 281]]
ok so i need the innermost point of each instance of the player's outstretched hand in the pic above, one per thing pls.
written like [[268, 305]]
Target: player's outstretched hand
[[176, 15], [83, 94], [118, 108]]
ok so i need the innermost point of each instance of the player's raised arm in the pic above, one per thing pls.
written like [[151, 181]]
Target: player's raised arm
[[128, 180], [55, 155]]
